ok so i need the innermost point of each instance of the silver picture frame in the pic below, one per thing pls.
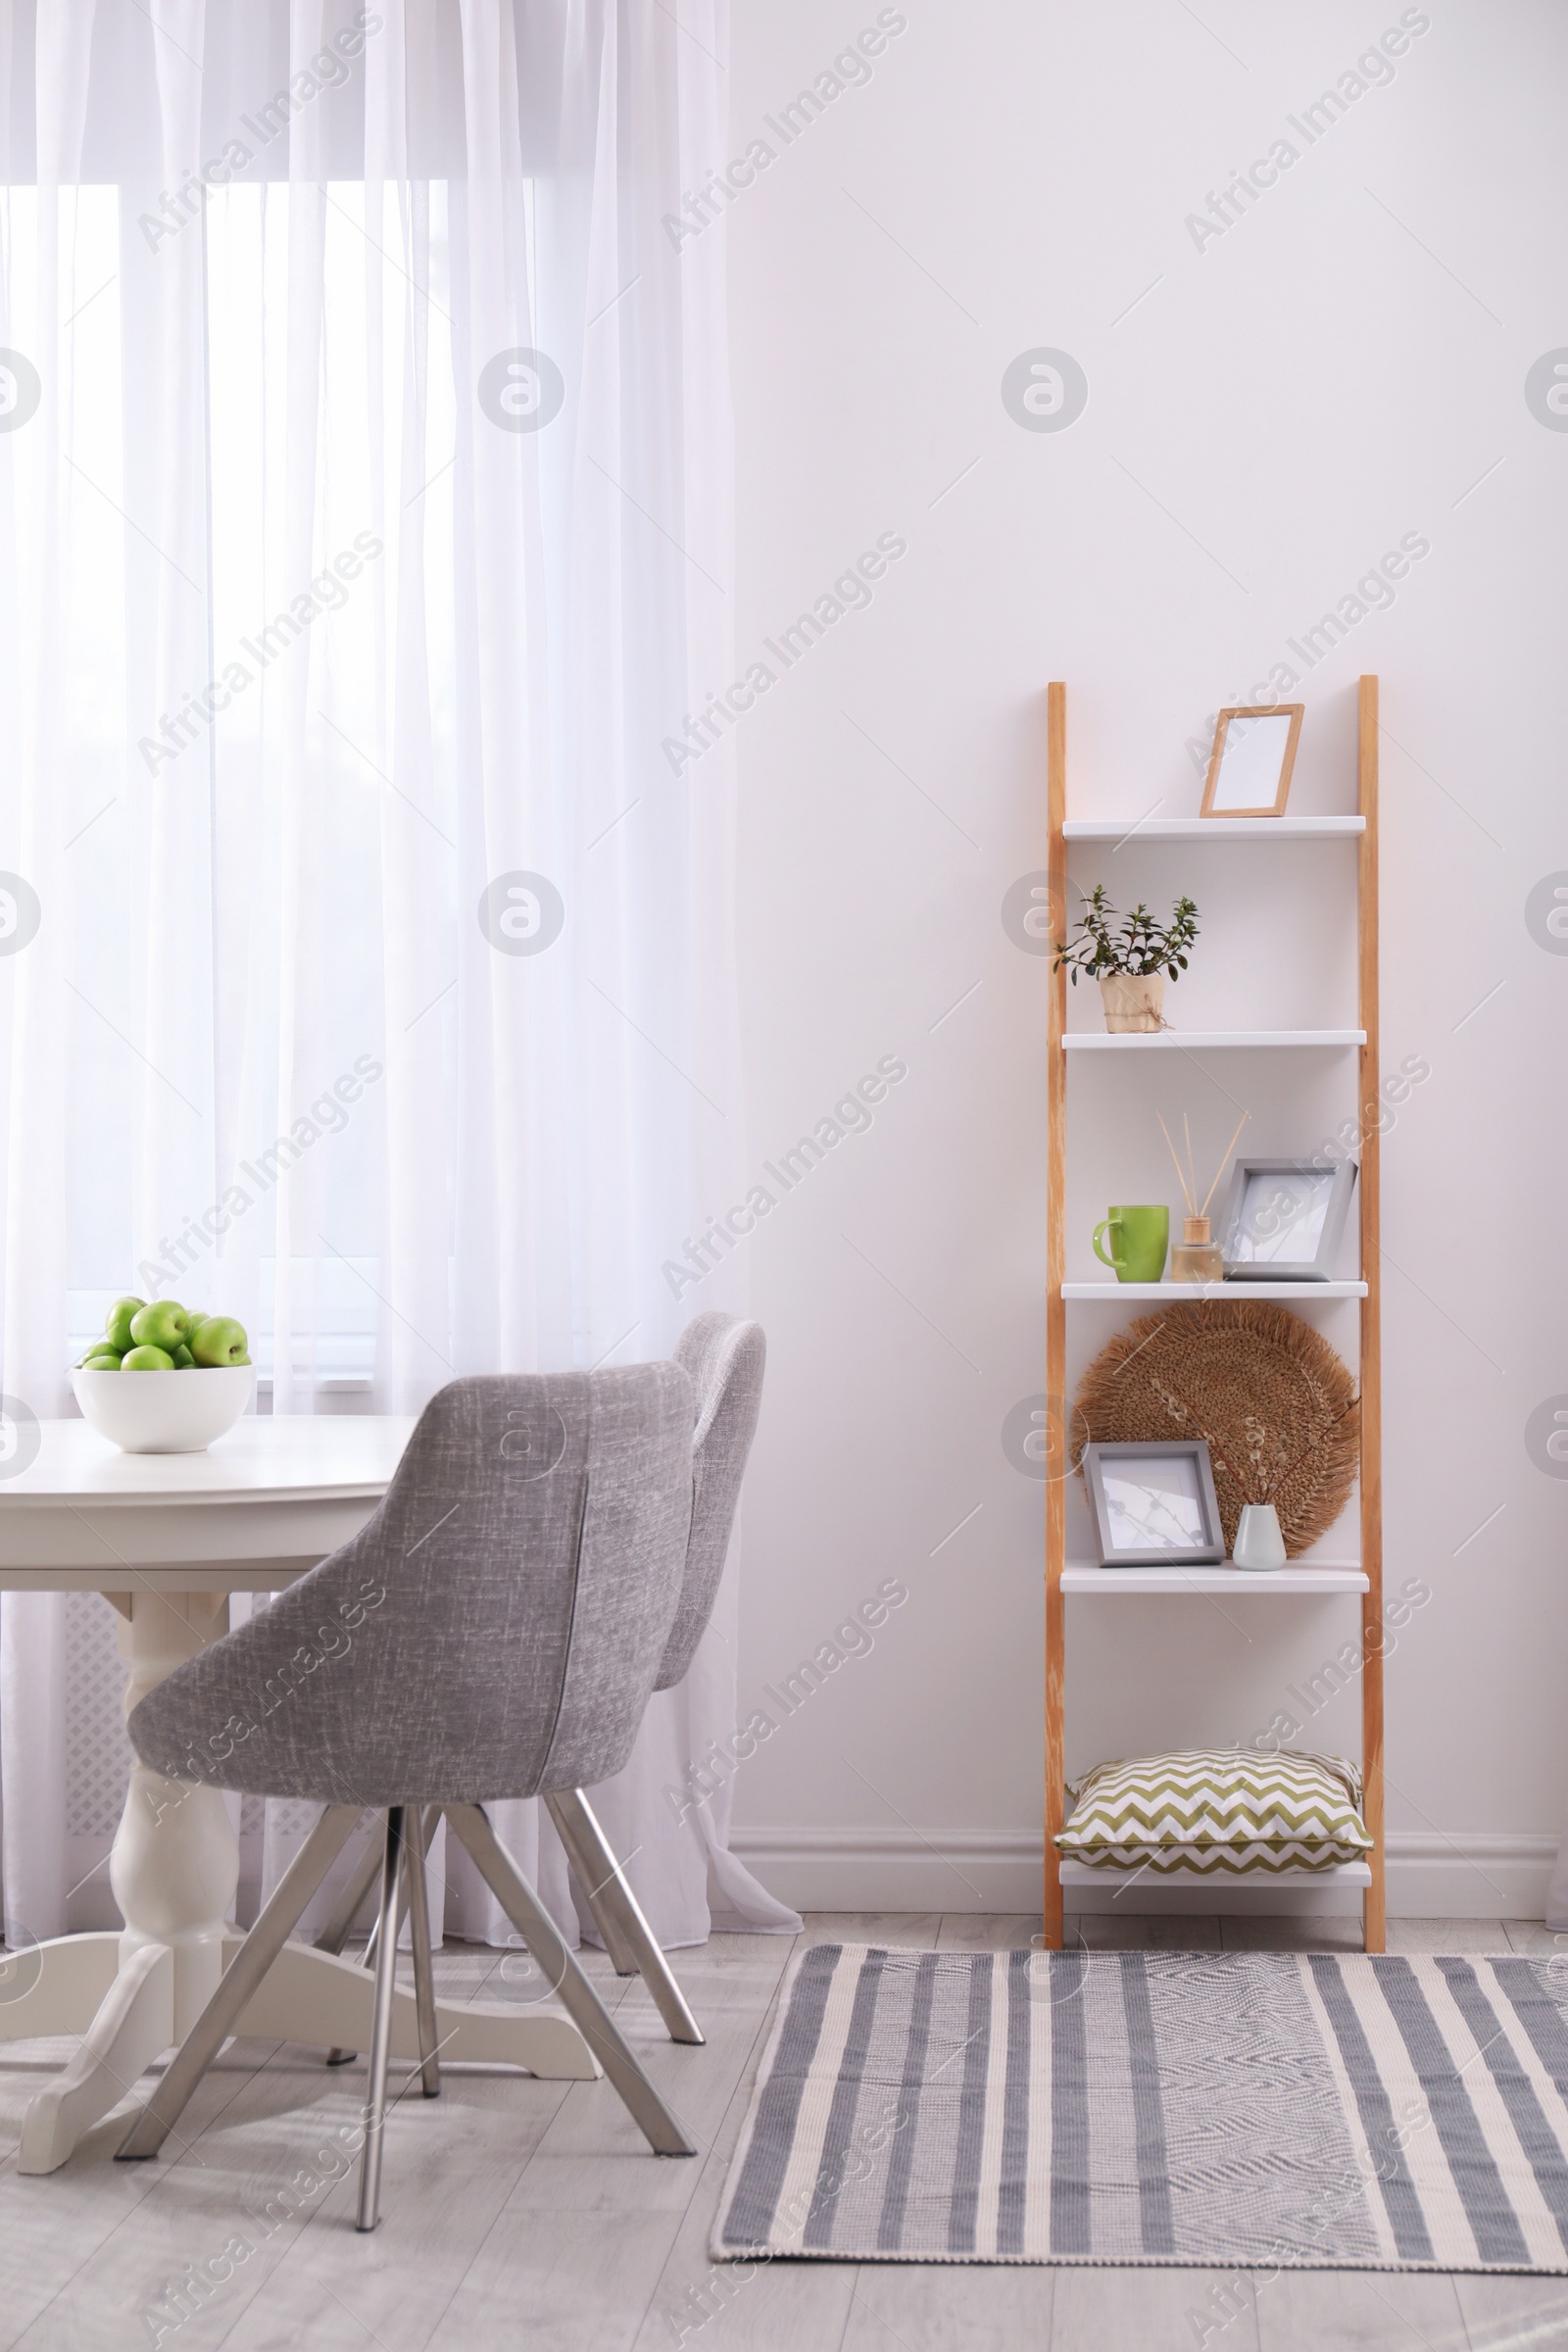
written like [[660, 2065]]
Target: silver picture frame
[[1154, 1504], [1285, 1219]]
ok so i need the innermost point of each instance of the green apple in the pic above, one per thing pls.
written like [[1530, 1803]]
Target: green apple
[[219, 1341], [117, 1323], [147, 1359], [193, 1318], [102, 1359], [183, 1359], [164, 1325]]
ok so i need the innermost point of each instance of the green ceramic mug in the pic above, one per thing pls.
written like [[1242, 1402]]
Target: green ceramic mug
[[1138, 1243]]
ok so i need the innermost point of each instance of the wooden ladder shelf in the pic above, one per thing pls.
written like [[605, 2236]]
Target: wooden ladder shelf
[[1374, 1904]]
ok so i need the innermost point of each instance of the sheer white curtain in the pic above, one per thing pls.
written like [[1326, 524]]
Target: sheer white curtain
[[365, 532]]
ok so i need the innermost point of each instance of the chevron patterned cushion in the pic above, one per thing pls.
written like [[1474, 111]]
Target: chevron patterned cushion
[[1214, 1809]]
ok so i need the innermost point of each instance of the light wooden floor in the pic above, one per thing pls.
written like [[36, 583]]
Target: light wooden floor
[[524, 2214]]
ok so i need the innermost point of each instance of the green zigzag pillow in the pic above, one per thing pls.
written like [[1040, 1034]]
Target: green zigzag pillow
[[1213, 1810]]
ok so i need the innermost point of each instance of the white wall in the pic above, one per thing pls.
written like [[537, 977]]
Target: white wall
[[1267, 416]]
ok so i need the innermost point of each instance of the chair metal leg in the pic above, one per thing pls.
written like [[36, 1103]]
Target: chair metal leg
[[511, 1890], [335, 1934], [614, 1903], [386, 1969], [590, 1875], [356, 1887], [240, 1979], [418, 1907]]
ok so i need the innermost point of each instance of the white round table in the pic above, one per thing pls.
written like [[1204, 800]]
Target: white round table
[[165, 1539]]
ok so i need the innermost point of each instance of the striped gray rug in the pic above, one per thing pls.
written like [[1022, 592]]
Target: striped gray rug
[[1248, 2111]]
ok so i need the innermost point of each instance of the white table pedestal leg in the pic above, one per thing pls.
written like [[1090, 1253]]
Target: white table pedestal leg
[[324, 2001], [173, 1869]]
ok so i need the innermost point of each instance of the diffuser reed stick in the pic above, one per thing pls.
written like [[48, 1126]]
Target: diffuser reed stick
[[1192, 1206], [1224, 1156], [1190, 1191]]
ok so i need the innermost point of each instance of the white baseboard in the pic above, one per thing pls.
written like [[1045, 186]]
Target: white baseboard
[[1473, 1875]]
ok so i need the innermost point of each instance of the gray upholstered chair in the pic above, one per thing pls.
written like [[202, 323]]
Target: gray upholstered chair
[[725, 1361], [507, 1611]]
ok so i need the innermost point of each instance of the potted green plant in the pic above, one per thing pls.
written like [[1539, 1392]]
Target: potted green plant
[[1131, 963]]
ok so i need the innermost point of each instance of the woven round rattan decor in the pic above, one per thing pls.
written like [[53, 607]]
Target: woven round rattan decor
[[1276, 1405]]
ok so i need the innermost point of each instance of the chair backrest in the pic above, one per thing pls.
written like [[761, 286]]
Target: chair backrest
[[493, 1631], [726, 1361]]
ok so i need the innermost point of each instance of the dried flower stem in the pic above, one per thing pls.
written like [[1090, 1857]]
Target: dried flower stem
[[1311, 1445], [1272, 1487]]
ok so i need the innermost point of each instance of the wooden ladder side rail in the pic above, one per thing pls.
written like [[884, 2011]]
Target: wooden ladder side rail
[[1056, 1434], [1375, 1902]]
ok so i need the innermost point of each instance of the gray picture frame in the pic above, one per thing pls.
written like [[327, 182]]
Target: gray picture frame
[[1115, 1552], [1239, 1249]]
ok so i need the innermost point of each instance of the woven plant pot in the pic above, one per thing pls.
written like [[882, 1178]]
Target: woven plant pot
[[1274, 1401], [1133, 1003]]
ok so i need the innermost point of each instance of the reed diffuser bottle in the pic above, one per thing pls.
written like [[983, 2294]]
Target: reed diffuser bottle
[[1197, 1256]]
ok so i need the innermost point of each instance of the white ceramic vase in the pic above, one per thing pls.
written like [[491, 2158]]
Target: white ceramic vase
[[1258, 1542]]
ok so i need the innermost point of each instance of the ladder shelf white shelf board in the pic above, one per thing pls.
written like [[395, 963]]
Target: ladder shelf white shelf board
[[1297, 1581], [1339, 1874], [1107, 1293], [1206, 1040], [1213, 828]]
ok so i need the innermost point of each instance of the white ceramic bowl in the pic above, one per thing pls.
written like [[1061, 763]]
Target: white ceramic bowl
[[164, 1412]]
